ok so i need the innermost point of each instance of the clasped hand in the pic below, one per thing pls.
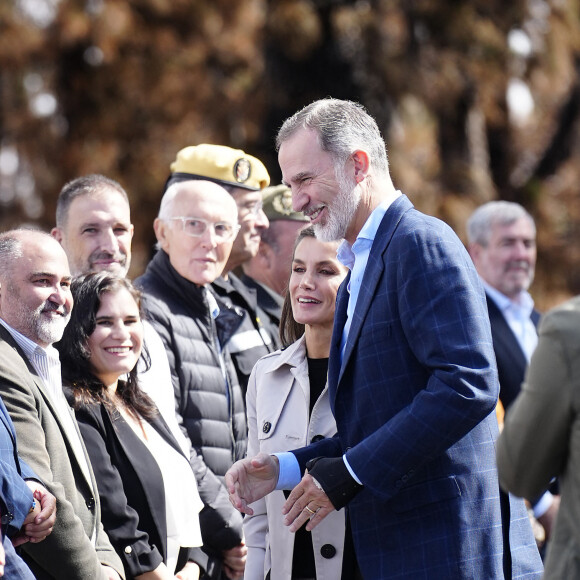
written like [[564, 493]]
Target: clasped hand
[[306, 503], [40, 521]]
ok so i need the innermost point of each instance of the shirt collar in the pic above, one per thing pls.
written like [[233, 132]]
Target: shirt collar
[[345, 255], [28, 346], [31, 348], [346, 252], [212, 303], [525, 303]]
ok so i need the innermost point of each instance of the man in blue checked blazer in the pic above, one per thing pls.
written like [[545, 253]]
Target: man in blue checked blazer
[[18, 506], [412, 376]]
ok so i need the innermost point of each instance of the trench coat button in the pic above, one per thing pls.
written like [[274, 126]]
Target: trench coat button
[[128, 549], [266, 427], [317, 438], [328, 551], [90, 503]]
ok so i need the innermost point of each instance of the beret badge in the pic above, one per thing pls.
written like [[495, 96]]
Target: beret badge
[[283, 203], [242, 170]]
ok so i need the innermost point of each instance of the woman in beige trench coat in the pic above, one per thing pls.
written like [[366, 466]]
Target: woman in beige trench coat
[[288, 407]]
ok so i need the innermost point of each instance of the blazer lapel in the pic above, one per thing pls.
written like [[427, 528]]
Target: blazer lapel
[[293, 357], [83, 462], [503, 334], [340, 316], [144, 466], [158, 423], [373, 273]]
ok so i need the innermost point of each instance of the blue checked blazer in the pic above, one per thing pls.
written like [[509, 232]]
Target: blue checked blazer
[[414, 404], [15, 495]]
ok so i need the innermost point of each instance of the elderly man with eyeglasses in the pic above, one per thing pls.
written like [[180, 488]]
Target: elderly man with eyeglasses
[[243, 177], [195, 229]]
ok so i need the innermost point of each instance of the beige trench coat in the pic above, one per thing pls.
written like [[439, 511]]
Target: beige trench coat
[[278, 399]]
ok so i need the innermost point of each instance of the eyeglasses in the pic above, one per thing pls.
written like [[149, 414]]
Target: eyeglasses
[[196, 227], [251, 211]]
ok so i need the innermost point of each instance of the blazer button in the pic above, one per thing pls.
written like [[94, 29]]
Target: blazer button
[[266, 427], [128, 549], [328, 551], [317, 438], [90, 503]]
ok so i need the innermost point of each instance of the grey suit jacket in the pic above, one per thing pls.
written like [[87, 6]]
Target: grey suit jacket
[[541, 435], [67, 553]]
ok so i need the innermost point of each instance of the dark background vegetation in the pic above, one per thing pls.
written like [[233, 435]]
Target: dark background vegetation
[[119, 86]]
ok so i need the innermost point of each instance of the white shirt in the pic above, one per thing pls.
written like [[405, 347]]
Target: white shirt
[[156, 382], [517, 314], [182, 501]]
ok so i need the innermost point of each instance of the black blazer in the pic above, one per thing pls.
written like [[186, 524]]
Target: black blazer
[[131, 489], [511, 360]]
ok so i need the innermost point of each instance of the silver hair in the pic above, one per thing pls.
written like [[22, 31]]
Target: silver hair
[[11, 246], [10, 251], [488, 215], [168, 200], [342, 128]]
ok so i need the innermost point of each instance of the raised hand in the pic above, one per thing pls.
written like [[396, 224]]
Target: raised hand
[[249, 480]]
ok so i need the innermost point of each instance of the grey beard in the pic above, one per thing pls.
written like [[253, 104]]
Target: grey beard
[[340, 213], [50, 331]]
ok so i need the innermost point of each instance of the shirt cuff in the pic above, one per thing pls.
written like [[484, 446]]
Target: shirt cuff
[[289, 476], [352, 473], [542, 505]]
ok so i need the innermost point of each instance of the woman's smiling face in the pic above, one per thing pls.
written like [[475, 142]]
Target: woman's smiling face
[[116, 342], [314, 281]]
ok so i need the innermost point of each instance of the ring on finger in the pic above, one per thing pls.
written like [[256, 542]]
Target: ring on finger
[[309, 510]]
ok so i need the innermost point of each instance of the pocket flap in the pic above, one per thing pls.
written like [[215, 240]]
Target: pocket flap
[[425, 493]]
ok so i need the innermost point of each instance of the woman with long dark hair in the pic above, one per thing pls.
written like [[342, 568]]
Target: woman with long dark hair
[[288, 406], [146, 485]]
